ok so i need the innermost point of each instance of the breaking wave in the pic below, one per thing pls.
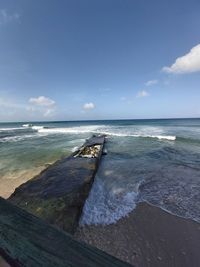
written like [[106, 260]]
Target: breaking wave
[[16, 138], [100, 129], [26, 125], [109, 207], [11, 129], [71, 130], [75, 148], [160, 137], [37, 127], [12, 133]]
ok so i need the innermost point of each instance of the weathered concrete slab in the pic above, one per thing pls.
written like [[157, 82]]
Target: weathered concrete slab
[[27, 241], [57, 195]]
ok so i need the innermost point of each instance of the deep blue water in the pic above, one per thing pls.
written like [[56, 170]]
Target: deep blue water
[[153, 160]]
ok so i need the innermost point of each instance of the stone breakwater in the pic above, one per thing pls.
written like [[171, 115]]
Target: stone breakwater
[[58, 193]]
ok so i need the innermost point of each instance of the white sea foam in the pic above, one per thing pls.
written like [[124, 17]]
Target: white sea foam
[[34, 127], [71, 130], [26, 125], [167, 137], [37, 127], [160, 137], [11, 129], [109, 207], [76, 144], [74, 148], [102, 129]]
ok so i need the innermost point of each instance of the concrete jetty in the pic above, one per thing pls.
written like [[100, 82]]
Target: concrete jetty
[[58, 193]]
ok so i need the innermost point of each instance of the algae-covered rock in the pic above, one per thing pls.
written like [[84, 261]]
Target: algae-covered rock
[[58, 193]]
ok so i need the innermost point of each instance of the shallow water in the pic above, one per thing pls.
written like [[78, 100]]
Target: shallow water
[[152, 160]]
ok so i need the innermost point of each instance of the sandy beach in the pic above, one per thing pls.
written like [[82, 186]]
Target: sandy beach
[[148, 236], [11, 181]]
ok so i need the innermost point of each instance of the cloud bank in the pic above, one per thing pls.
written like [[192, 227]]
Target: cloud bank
[[43, 105], [186, 64], [88, 106]]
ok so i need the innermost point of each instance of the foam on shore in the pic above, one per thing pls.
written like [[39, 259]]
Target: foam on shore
[[148, 236], [110, 207]]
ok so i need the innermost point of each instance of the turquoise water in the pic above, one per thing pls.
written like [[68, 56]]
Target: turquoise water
[[157, 161]]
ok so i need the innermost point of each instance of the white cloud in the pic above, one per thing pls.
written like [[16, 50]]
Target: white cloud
[[17, 110], [142, 93], [151, 82], [88, 106], [187, 63], [123, 98], [5, 17], [42, 101], [42, 105]]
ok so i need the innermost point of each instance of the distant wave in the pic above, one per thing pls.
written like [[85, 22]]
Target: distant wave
[[99, 130], [34, 127], [160, 137], [26, 125], [11, 129], [149, 132], [37, 127], [73, 130]]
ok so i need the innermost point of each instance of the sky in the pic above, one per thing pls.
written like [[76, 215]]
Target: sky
[[99, 59]]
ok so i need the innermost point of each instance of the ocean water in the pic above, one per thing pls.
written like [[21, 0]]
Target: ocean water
[[157, 161]]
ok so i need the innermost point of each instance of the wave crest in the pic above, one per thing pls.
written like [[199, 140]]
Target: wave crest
[[37, 127], [11, 129], [100, 129], [160, 137], [71, 130]]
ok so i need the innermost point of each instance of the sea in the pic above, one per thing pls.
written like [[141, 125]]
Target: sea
[[157, 161]]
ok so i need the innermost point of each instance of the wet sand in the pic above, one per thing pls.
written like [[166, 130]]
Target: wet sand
[[148, 236], [10, 181]]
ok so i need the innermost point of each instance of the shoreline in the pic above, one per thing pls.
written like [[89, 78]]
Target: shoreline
[[148, 236], [9, 182]]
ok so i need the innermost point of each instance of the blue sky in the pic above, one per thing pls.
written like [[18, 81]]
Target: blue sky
[[99, 59]]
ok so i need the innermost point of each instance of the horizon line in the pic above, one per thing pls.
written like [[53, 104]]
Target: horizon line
[[55, 121]]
